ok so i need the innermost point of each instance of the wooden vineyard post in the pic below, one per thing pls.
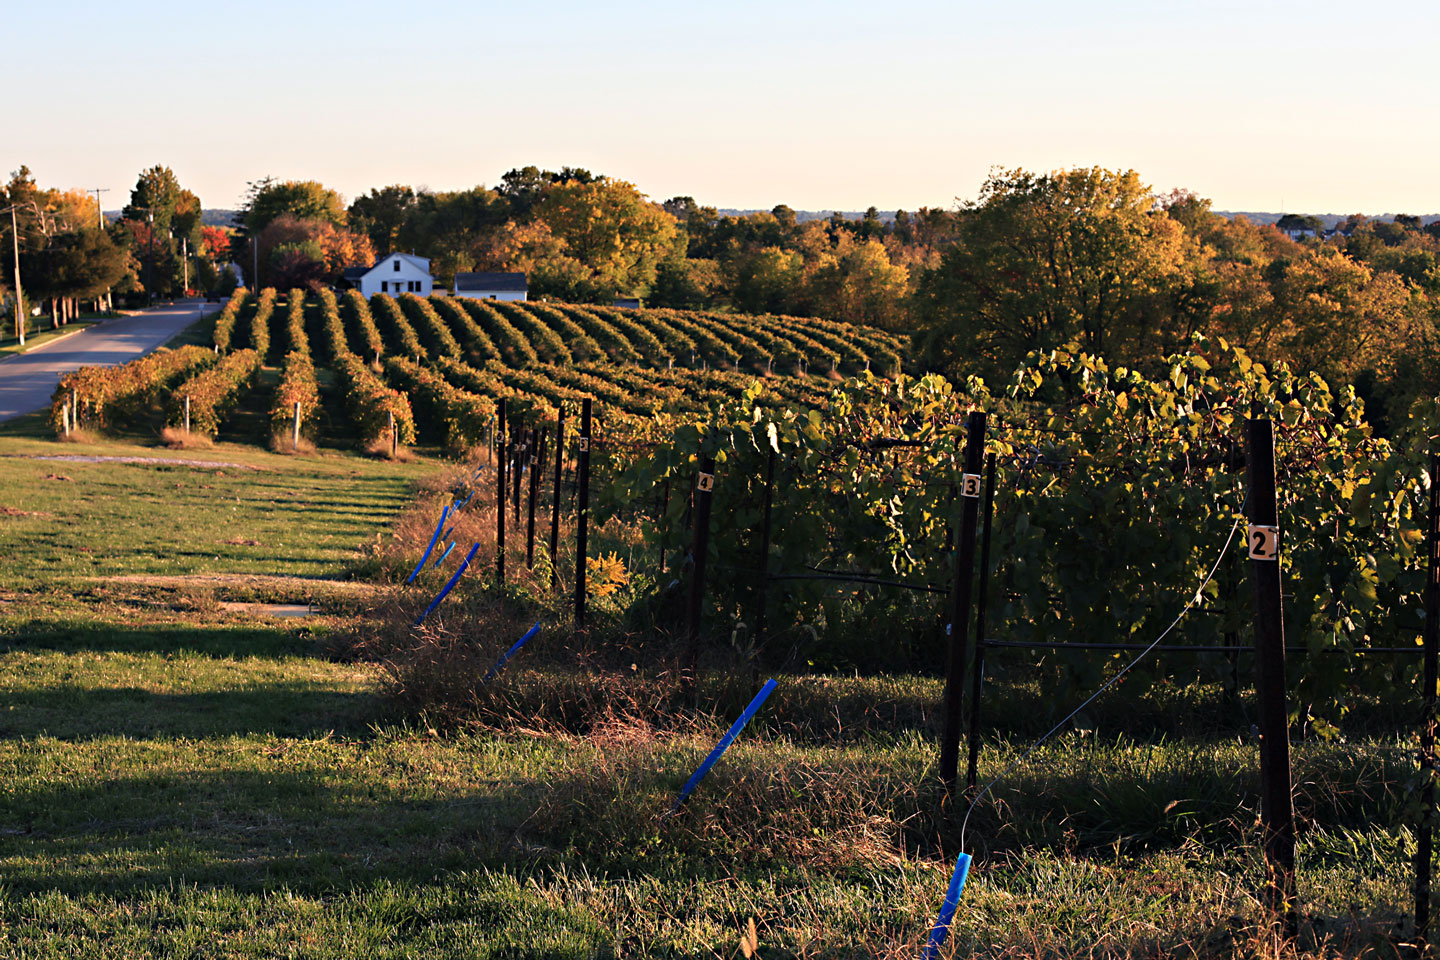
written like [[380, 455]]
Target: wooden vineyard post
[[187, 413], [65, 417], [704, 492], [500, 491], [582, 517], [555, 499], [394, 436], [959, 628], [295, 434], [1276, 804], [977, 666], [537, 464], [1426, 839], [762, 570]]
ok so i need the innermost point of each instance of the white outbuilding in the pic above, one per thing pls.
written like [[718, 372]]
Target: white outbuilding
[[397, 273], [492, 286]]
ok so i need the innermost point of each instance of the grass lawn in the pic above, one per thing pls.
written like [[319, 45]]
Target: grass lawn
[[11, 347], [181, 779]]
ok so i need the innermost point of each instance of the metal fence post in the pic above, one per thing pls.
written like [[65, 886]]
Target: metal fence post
[[555, 499], [582, 518], [521, 452], [1426, 831], [959, 628], [537, 464], [704, 492], [500, 491], [763, 570], [1276, 803], [664, 524], [977, 667]]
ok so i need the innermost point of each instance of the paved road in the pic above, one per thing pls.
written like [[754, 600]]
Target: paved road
[[28, 380]]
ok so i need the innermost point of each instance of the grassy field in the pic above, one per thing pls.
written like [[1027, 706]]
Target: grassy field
[[179, 778]]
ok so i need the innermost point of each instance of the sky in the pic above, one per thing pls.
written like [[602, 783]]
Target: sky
[[1309, 107]]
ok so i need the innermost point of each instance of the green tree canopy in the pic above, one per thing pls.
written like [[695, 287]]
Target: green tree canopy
[[381, 215], [77, 263], [1081, 256], [269, 199], [613, 231]]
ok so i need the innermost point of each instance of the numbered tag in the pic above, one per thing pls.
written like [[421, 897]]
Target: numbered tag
[[705, 482], [1264, 542], [970, 485], [584, 444]]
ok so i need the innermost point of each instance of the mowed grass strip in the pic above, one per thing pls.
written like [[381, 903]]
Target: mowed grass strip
[[64, 520]]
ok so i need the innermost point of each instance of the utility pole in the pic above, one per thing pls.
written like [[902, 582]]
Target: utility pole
[[19, 296], [15, 246], [99, 214], [150, 265], [100, 224], [185, 262]]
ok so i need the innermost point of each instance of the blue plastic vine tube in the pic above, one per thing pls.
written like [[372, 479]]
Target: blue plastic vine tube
[[449, 584], [434, 538], [445, 554], [947, 909], [511, 652], [721, 747]]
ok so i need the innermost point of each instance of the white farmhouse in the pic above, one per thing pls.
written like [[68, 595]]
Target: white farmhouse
[[492, 286], [397, 273]]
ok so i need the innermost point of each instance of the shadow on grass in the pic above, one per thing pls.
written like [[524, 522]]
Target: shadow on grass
[[283, 709], [311, 828], [220, 641]]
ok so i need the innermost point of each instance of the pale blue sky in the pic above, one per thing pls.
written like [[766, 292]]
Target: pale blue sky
[[1319, 106]]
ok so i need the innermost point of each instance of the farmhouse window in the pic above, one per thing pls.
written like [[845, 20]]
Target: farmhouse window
[[397, 266]]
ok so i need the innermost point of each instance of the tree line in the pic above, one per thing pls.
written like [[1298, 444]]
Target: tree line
[[69, 253], [1092, 257]]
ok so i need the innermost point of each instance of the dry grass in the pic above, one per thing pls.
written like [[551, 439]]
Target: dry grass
[[80, 435], [178, 438], [380, 448], [764, 804], [283, 443]]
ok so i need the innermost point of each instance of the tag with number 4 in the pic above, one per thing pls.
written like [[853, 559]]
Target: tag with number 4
[[1264, 542], [705, 482]]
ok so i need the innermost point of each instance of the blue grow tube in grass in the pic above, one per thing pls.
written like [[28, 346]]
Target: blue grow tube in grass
[[445, 554], [720, 748], [947, 909], [505, 657], [449, 584], [434, 538]]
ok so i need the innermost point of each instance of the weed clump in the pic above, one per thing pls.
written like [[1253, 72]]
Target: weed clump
[[178, 438]]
